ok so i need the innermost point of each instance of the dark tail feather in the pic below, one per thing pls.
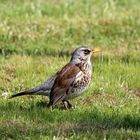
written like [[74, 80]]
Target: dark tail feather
[[28, 92], [42, 89], [20, 94]]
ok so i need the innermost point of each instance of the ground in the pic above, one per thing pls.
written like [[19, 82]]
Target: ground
[[37, 39]]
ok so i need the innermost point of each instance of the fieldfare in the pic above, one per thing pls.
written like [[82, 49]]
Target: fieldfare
[[71, 81]]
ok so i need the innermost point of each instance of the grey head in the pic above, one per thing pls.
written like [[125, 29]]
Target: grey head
[[81, 54]]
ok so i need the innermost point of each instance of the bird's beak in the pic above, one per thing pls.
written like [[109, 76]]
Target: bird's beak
[[95, 50]]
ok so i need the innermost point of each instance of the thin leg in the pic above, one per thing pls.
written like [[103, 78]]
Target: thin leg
[[68, 105], [65, 105], [50, 106]]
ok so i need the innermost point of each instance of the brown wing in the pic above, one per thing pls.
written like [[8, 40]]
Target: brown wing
[[62, 83]]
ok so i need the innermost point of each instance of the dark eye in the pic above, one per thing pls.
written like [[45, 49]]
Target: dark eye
[[86, 52]]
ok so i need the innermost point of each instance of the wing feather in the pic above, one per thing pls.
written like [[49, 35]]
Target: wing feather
[[63, 82]]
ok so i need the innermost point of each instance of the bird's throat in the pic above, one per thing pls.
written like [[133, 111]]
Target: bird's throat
[[85, 67]]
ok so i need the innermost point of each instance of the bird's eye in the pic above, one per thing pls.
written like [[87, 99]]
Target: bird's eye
[[86, 52]]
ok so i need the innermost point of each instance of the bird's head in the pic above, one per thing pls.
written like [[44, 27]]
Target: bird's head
[[83, 54]]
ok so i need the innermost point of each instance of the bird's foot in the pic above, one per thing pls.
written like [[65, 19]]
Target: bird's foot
[[50, 107], [67, 105]]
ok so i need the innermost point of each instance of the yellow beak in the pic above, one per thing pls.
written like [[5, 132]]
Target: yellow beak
[[95, 50]]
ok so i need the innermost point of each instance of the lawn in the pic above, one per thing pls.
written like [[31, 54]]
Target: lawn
[[37, 38]]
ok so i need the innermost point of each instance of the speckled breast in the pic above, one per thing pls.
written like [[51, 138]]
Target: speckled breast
[[79, 85]]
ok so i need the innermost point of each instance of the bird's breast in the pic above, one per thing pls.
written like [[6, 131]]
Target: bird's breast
[[79, 85]]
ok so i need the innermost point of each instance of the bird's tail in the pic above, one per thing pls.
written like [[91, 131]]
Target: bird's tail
[[20, 94], [43, 89], [34, 91]]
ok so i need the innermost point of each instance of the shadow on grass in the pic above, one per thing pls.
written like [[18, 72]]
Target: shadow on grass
[[36, 119], [87, 118], [106, 121]]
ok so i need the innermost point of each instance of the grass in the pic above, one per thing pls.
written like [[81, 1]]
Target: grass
[[37, 38]]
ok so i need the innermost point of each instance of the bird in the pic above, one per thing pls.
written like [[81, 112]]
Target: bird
[[69, 82]]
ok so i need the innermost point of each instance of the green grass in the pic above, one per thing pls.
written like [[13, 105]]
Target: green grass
[[37, 38]]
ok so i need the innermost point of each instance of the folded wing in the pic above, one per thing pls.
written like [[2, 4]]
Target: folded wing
[[62, 83]]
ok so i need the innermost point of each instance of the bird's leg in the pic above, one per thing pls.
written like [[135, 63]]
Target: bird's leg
[[68, 105], [65, 105], [50, 106]]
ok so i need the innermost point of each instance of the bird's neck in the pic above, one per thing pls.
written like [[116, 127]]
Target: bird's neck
[[85, 66]]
